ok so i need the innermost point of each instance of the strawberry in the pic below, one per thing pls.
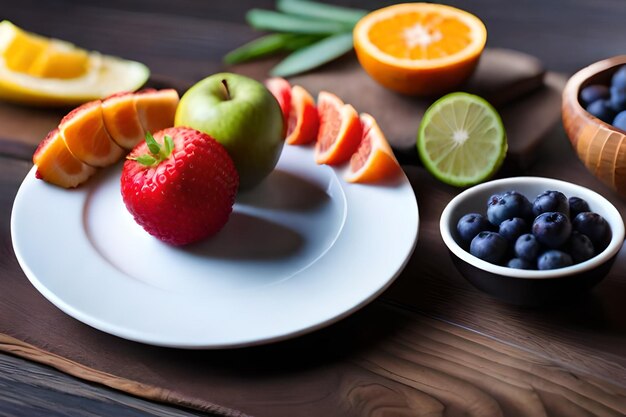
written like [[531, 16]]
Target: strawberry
[[179, 185]]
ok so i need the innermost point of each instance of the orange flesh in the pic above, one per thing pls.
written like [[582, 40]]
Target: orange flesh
[[156, 109], [86, 137], [122, 121], [56, 164], [418, 35]]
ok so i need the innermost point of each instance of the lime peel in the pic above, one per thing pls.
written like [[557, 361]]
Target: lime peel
[[461, 139]]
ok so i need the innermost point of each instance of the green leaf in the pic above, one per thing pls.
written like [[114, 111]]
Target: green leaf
[[260, 47], [168, 146], [146, 160], [153, 145], [300, 41], [315, 55], [321, 11], [280, 22]]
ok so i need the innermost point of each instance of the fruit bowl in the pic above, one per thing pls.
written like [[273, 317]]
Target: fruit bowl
[[529, 287], [599, 145]]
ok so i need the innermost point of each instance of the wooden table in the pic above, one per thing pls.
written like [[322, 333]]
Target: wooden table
[[431, 344]]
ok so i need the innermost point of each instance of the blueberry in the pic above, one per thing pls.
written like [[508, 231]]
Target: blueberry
[[472, 224], [554, 259], [593, 92], [595, 227], [551, 201], [513, 228], [580, 247], [619, 77], [618, 98], [620, 120], [527, 247], [577, 205], [519, 263], [489, 246], [552, 229], [602, 109], [506, 206]]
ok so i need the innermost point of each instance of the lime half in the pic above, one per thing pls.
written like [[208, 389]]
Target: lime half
[[461, 139]]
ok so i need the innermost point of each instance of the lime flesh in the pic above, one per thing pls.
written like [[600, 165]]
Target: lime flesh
[[461, 139]]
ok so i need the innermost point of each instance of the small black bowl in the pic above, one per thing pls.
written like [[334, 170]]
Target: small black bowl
[[526, 287]]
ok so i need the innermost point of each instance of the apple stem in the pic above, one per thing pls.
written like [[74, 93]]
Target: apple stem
[[225, 89]]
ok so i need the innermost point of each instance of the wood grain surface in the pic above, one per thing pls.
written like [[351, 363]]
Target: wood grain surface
[[431, 345]]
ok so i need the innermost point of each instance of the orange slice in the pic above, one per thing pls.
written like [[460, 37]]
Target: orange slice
[[56, 164], [87, 139], [303, 120], [339, 131], [419, 48], [156, 108], [121, 120], [373, 160], [281, 90]]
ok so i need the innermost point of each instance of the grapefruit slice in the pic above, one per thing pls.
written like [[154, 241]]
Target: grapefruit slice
[[339, 131], [156, 108], [303, 121], [56, 164], [43, 71], [121, 120], [86, 138], [281, 90], [373, 160]]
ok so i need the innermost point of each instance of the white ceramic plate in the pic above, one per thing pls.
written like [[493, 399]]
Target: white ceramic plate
[[299, 252]]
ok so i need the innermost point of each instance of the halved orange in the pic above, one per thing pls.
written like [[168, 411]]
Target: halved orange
[[156, 108], [281, 90], [303, 121], [86, 138], [374, 159], [121, 120], [56, 164], [419, 48], [339, 131]]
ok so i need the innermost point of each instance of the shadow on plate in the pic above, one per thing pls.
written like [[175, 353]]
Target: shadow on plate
[[250, 237]]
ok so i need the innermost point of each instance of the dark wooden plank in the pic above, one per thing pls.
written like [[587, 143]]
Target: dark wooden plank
[[30, 389]]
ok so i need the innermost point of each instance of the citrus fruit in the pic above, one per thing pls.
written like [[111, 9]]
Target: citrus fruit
[[281, 90], [461, 139], [121, 120], [44, 71], [339, 131], [97, 134], [56, 164], [303, 120], [419, 48], [156, 108], [373, 160], [86, 138]]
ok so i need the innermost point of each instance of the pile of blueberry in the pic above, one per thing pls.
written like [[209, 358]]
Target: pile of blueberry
[[538, 235], [607, 103]]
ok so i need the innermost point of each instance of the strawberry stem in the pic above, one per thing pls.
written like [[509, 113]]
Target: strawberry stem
[[158, 153]]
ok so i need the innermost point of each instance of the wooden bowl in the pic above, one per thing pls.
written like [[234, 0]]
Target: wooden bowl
[[599, 145]]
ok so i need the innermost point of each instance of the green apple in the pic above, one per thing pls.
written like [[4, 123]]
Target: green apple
[[242, 115]]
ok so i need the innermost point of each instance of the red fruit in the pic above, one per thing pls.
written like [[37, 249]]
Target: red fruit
[[281, 90], [180, 186]]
